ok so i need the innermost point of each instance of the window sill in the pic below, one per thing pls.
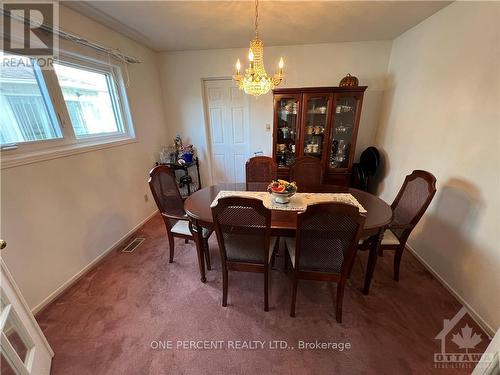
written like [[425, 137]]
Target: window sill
[[15, 160]]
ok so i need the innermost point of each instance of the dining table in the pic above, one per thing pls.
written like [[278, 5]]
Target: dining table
[[284, 222]]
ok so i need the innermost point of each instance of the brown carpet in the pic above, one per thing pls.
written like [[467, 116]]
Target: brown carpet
[[109, 322]]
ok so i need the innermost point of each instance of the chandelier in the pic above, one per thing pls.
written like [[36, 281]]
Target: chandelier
[[255, 80]]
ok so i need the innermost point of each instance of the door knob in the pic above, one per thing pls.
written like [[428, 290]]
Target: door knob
[[3, 244]]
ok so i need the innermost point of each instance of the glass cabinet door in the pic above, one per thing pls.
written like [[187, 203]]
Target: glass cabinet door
[[287, 130], [315, 124], [342, 132]]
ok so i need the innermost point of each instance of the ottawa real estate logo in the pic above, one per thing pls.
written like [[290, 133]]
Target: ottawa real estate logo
[[460, 343]]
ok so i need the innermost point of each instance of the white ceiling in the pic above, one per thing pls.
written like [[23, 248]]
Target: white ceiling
[[189, 25]]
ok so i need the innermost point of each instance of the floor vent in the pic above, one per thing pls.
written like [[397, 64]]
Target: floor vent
[[133, 245]]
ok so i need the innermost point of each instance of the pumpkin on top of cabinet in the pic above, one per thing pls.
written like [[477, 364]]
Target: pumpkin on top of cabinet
[[349, 81]]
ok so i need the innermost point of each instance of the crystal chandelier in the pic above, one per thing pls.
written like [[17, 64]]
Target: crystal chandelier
[[255, 80]]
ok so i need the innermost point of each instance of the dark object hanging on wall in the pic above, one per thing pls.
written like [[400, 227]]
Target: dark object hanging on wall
[[370, 160], [365, 169], [349, 81], [358, 177]]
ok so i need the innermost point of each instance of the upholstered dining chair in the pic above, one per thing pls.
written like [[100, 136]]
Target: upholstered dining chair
[[171, 205], [408, 208], [306, 170], [260, 170], [325, 247], [243, 228]]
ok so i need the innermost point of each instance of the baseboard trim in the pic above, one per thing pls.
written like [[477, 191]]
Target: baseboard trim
[[473, 313], [42, 305]]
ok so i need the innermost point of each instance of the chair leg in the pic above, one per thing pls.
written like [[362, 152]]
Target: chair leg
[[207, 253], [276, 252], [397, 261], [224, 285], [339, 301], [381, 251], [266, 289], [286, 262], [295, 284], [171, 244]]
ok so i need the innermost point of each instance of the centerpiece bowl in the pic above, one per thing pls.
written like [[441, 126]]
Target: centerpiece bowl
[[282, 190]]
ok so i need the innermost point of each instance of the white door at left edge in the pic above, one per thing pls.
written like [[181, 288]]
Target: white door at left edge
[[228, 119], [24, 349]]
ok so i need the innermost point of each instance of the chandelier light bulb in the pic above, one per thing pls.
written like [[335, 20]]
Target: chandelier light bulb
[[281, 63], [238, 65], [250, 56]]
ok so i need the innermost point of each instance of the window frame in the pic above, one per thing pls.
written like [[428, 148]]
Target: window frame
[[69, 144]]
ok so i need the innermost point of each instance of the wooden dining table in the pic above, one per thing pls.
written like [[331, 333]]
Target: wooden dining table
[[284, 223]]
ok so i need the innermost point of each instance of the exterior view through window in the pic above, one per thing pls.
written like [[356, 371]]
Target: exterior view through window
[[26, 112], [90, 100], [79, 102]]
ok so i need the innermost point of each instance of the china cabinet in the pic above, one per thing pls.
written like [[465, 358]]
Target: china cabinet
[[321, 122]]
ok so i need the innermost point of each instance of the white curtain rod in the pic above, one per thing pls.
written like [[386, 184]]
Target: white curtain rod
[[79, 40]]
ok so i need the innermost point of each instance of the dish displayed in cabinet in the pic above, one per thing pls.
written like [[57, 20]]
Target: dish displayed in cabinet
[[342, 129]]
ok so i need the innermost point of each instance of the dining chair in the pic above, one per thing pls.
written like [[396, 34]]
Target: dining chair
[[408, 207], [325, 247], [260, 171], [243, 229], [306, 170], [171, 205]]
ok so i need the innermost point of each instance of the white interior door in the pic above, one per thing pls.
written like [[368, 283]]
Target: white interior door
[[228, 120], [24, 349]]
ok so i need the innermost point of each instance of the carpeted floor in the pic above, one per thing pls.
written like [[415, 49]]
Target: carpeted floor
[[122, 316]]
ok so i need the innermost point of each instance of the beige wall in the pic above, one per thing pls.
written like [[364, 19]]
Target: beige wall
[[441, 113], [305, 65], [59, 215]]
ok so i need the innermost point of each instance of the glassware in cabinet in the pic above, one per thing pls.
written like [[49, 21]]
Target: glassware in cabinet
[[343, 130], [315, 124], [287, 128]]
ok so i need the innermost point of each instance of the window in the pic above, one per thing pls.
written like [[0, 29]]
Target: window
[[80, 103], [26, 113], [90, 99]]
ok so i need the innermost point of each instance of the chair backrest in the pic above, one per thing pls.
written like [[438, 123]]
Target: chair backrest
[[306, 170], [260, 170], [165, 191], [242, 216], [411, 202], [327, 238]]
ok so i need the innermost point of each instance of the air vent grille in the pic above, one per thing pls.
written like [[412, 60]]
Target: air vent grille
[[136, 242]]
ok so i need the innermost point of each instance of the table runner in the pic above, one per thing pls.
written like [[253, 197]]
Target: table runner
[[298, 202]]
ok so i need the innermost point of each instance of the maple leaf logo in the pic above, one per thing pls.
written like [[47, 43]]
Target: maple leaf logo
[[466, 340]]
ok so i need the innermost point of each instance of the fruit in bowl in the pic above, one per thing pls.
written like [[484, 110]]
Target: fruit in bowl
[[282, 190]]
